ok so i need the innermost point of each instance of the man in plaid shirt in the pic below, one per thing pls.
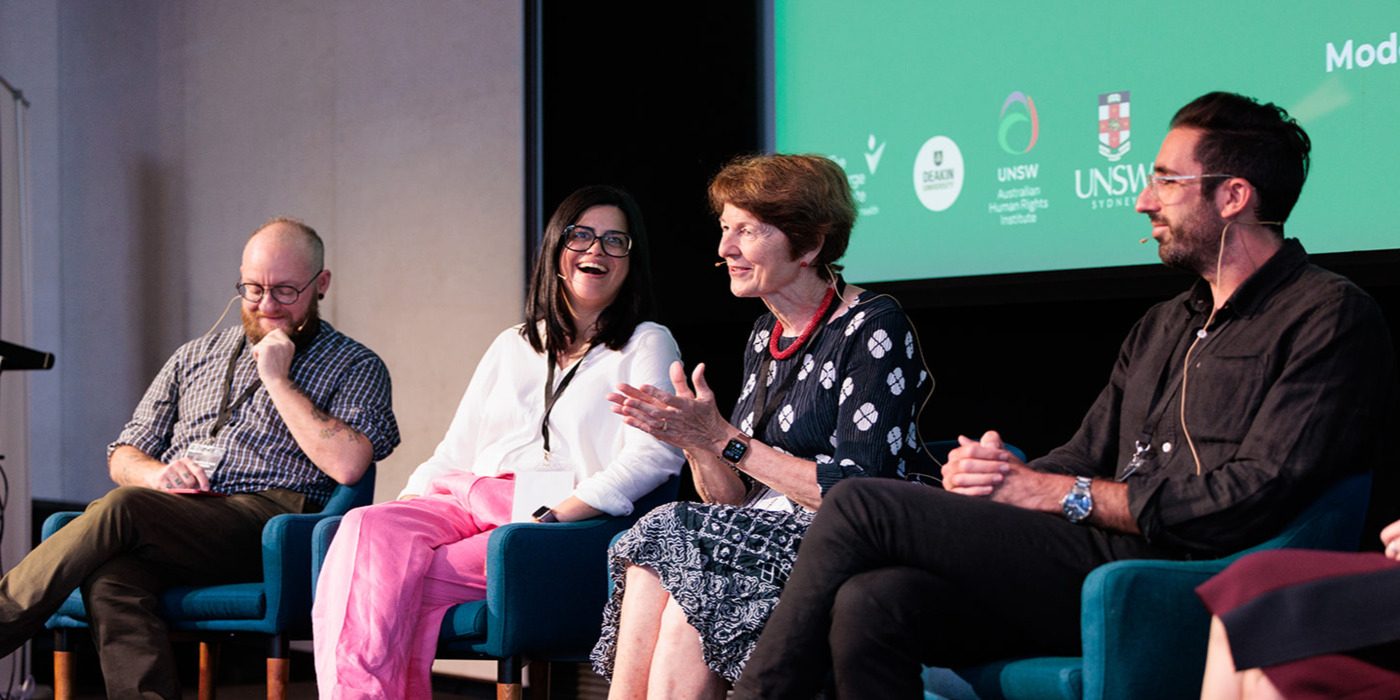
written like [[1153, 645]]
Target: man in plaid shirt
[[239, 426]]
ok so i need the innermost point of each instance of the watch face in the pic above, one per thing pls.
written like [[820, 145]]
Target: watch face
[[734, 451], [1079, 502], [1076, 506]]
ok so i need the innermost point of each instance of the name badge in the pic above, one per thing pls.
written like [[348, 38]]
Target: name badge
[[207, 455], [547, 485]]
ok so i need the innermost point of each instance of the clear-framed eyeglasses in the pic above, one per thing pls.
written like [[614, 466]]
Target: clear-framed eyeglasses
[[579, 239], [284, 294], [1168, 188]]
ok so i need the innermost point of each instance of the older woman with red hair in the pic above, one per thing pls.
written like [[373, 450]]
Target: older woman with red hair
[[833, 382]]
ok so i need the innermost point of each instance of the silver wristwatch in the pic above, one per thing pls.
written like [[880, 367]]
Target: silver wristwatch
[[1079, 502]]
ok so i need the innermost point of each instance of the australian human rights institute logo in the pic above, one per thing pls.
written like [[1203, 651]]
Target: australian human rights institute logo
[[1018, 109], [1113, 126]]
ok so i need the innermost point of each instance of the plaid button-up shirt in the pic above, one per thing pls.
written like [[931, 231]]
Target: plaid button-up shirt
[[341, 377]]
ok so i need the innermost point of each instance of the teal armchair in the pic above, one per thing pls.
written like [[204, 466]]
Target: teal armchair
[[1144, 630], [278, 607]]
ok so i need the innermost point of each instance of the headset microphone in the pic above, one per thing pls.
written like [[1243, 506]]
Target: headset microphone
[[722, 263], [1144, 239], [222, 315]]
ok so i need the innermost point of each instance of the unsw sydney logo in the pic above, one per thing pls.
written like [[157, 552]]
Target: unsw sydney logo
[[1117, 185]]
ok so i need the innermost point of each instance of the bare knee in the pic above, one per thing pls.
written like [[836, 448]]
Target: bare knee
[[678, 668]]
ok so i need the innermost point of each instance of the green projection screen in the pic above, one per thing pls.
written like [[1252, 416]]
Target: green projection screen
[[1013, 136]]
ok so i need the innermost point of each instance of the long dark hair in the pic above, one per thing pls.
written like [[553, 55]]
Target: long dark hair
[[546, 297]]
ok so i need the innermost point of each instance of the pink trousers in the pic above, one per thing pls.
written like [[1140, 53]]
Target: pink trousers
[[392, 572]]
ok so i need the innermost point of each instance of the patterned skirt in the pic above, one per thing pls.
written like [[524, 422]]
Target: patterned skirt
[[724, 565]]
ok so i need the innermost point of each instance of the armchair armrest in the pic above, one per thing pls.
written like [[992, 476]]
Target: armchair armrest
[[286, 549], [1144, 630], [321, 537], [56, 521], [546, 585]]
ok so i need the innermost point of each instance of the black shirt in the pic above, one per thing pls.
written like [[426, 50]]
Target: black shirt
[[1288, 391]]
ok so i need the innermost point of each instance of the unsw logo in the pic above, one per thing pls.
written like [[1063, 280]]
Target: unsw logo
[[1113, 126]]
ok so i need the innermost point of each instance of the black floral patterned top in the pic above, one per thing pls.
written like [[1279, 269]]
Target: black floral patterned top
[[853, 403]]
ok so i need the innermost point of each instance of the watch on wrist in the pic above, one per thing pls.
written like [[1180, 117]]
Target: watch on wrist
[[545, 514], [734, 450], [1079, 502]]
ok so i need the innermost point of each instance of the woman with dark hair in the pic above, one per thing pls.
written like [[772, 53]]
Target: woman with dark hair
[[533, 404], [833, 382]]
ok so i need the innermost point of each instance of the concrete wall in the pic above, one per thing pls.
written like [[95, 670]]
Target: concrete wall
[[171, 130]]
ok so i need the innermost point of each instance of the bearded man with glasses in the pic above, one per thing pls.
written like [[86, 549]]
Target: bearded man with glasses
[[1229, 408], [239, 426]]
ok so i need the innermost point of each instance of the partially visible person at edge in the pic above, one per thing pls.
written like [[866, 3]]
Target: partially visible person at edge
[[833, 382], [271, 415], [1306, 624], [1229, 409], [536, 401]]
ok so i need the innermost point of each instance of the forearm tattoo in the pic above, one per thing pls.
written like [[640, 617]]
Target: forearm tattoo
[[333, 427]]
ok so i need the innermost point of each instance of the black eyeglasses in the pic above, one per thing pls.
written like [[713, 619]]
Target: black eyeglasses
[[284, 294], [579, 239]]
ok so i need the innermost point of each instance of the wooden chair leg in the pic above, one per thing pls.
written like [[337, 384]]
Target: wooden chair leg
[[508, 686], [279, 668], [208, 669], [62, 666], [279, 673]]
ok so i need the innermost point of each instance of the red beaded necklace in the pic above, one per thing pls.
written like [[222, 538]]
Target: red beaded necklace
[[806, 332]]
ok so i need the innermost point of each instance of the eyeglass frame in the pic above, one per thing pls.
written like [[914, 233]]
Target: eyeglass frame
[[242, 286], [598, 238], [1156, 180]]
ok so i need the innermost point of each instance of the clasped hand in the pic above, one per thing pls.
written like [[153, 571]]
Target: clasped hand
[[688, 419], [987, 468]]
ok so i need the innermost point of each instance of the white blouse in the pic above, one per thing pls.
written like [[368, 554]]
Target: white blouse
[[497, 427]]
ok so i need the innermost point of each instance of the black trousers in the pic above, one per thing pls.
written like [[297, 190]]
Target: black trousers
[[125, 549], [893, 576]]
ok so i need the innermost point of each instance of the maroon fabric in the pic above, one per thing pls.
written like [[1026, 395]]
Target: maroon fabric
[[1332, 676], [1267, 571], [1362, 674]]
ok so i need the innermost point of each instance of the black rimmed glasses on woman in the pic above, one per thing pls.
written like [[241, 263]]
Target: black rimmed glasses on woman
[[579, 239], [284, 294]]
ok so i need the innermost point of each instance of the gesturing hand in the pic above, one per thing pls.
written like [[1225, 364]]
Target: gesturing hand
[[688, 419], [1390, 536]]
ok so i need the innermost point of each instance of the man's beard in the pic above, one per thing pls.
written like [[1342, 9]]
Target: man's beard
[[300, 333], [1193, 244]]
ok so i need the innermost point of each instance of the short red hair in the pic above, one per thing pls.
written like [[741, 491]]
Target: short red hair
[[806, 197]]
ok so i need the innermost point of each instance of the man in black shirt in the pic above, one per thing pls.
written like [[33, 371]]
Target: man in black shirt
[[1229, 407]]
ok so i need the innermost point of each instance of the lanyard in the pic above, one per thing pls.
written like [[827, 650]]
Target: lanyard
[[552, 394], [226, 409], [1162, 397], [762, 407]]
